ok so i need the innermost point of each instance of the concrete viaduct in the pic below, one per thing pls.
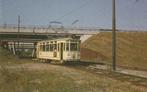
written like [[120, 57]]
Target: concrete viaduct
[[15, 39]]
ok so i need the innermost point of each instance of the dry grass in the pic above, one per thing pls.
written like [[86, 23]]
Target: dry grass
[[62, 79], [131, 47], [36, 77]]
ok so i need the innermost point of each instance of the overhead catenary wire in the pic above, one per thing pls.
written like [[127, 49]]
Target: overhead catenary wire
[[74, 22], [75, 10]]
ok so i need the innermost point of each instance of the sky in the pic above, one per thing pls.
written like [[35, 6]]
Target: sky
[[131, 14]]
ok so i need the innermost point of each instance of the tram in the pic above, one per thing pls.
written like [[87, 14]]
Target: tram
[[61, 50]]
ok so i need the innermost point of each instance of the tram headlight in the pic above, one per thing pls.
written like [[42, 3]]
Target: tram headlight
[[68, 54]]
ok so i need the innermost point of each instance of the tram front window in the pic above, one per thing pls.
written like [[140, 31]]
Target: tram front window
[[73, 47]]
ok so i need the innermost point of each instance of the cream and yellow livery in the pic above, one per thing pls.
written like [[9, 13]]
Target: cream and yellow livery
[[64, 49]]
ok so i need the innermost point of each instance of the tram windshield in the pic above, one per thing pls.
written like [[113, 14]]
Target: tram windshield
[[74, 47]]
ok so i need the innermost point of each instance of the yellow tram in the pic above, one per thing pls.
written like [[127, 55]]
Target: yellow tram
[[62, 50]]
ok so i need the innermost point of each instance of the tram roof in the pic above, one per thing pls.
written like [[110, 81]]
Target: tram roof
[[60, 39]]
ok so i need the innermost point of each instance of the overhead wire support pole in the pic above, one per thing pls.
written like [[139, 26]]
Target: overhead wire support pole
[[113, 35], [18, 35]]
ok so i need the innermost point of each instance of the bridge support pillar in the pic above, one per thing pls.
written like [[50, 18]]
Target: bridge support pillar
[[14, 49], [10, 47], [34, 50]]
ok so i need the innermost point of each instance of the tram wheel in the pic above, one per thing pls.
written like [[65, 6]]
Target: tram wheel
[[62, 61]]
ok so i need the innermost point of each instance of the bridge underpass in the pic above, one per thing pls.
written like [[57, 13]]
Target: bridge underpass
[[16, 41], [19, 43]]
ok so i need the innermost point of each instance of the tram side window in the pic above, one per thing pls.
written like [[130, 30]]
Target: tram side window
[[40, 47], [47, 47], [73, 47], [43, 47], [51, 47], [55, 46], [67, 46]]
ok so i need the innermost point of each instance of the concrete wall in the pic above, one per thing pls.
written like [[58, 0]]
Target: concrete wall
[[48, 30]]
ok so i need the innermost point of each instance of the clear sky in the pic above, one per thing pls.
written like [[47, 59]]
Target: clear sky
[[131, 14]]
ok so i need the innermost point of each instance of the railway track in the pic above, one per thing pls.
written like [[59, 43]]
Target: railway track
[[100, 70]]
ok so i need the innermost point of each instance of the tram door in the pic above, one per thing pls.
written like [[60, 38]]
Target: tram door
[[61, 51]]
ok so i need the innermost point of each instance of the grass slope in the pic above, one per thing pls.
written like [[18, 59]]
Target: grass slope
[[131, 47]]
